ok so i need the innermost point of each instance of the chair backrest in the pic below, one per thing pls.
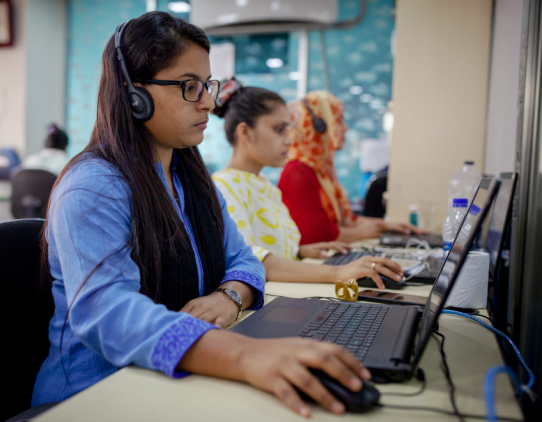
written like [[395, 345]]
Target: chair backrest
[[374, 202], [26, 308], [30, 193]]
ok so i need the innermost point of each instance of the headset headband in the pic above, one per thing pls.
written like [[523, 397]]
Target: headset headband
[[118, 46], [318, 124]]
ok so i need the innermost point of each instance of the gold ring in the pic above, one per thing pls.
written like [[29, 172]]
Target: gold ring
[[373, 265]]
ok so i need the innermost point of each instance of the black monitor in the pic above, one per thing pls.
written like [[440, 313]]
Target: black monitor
[[499, 222]]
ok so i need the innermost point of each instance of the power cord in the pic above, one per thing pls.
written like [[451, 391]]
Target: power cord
[[420, 375], [442, 411], [491, 416], [448, 375]]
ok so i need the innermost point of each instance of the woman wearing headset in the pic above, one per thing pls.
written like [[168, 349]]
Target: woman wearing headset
[[145, 261], [256, 125], [309, 184]]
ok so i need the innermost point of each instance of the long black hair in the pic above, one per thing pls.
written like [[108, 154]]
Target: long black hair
[[245, 105], [150, 44]]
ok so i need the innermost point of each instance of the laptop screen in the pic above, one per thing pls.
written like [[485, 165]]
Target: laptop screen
[[460, 248], [499, 215]]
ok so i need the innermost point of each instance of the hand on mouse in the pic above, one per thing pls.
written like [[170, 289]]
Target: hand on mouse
[[363, 267], [280, 364], [277, 366], [318, 250]]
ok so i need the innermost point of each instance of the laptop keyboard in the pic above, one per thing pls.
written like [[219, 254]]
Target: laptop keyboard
[[340, 259], [353, 326]]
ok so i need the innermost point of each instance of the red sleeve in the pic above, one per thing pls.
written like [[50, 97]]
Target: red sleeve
[[301, 194]]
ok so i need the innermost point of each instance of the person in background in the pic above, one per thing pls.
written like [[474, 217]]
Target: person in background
[[137, 240], [309, 184], [256, 125], [53, 157]]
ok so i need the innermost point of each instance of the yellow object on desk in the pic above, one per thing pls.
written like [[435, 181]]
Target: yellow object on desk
[[348, 291]]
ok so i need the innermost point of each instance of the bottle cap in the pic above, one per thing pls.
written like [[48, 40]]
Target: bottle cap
[[469, 163], [460, 202]]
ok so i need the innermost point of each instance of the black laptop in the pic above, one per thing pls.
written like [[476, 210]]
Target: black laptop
[[391, 239], [388, 339], [499, 222]]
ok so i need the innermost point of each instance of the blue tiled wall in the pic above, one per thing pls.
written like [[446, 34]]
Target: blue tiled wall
[[358, 56]]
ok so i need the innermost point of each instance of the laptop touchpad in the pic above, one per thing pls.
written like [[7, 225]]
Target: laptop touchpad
[[290, 315]]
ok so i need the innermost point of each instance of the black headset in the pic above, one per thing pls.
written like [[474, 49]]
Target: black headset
[[318, 124], [140, 100]]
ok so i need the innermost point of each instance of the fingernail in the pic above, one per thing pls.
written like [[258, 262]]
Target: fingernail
[[304, 411], [355, 384], [337, 407], [397, 277], [365, 373]]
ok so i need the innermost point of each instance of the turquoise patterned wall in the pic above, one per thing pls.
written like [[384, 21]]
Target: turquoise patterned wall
[[360, 68]]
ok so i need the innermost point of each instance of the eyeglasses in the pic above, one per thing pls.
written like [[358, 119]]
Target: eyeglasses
[[192, 88]]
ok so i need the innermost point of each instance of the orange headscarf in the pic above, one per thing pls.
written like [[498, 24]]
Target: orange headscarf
[[318, 150]]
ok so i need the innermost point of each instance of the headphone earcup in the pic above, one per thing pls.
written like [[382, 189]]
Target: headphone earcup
[[141, 103], [319, 125]]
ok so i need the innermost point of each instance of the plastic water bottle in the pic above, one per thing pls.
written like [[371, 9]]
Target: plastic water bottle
[[463, 184], [453, 222]]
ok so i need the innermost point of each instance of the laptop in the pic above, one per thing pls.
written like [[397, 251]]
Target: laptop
[[497, 245], [388, 339], [391, 239], [500, 218]]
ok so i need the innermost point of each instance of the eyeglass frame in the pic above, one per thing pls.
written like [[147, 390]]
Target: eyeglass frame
[[182, 84]]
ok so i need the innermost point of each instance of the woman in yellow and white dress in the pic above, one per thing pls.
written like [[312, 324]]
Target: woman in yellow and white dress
[[256, 125]]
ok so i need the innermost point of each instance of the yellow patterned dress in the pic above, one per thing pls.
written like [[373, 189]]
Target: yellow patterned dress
[[255, 204]]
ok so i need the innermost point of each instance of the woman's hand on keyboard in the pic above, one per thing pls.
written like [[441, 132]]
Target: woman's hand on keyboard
[[363, 267], [319, 250]]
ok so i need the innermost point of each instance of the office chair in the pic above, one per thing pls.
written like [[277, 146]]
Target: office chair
[[10, 156], [31, 190], [374, 202], [26, 307]]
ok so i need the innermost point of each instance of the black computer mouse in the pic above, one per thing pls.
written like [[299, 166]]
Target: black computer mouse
[[388, 282], [355, 402]]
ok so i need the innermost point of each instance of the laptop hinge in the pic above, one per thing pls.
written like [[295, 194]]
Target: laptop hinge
[[402, 349]]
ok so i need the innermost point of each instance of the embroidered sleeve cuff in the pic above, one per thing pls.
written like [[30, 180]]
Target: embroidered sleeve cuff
[[250, 279], [260, 252], [175, 342]]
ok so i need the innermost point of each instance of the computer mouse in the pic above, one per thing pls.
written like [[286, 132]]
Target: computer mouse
[[355, 402], [388, 282]]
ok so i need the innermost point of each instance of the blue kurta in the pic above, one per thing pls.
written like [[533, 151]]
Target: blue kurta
[[110, 323]]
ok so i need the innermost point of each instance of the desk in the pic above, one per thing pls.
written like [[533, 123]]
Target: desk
[[134, 394]]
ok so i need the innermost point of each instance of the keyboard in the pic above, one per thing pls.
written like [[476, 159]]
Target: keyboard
[[340, 259], [352, 326]]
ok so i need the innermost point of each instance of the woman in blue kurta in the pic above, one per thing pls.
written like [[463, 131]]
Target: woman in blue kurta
[[138, 240]]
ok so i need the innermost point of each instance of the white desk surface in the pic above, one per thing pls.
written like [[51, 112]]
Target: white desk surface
[[134, 394]]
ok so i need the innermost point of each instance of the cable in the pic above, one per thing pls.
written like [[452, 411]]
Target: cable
[[421, 376], [527, 388], [448, 375], [489, 388], [442, 411]]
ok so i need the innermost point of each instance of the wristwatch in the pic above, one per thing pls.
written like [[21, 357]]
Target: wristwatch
[[234, 297]]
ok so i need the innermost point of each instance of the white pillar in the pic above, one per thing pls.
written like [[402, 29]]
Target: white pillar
[[151, 5], [302, 63]]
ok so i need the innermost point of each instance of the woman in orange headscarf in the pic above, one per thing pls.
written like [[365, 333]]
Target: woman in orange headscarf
[[310, 188]]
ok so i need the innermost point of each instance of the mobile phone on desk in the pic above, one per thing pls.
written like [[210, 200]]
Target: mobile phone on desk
[[391, 297]]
